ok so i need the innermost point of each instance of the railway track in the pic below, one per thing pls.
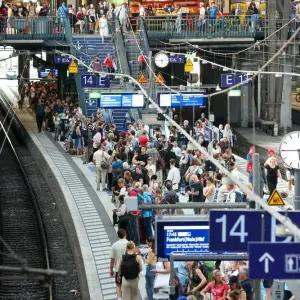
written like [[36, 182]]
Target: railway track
[[31, 227]]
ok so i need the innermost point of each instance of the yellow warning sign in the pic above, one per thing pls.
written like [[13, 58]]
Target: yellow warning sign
[[143, 78], [50, 75], [188, 67], [275, 199], [73, 67], [159, 78]]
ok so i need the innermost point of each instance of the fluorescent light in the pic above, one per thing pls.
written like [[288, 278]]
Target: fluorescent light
[[218, 88], [225, 69], [204, 62], [235, 93], [278, 75]]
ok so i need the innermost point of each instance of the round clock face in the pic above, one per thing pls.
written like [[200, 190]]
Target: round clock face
[[289, 150], [161, 60]]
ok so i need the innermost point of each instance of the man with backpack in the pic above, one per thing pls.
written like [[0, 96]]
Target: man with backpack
[[118, 249], [234, 195], [129, 268]]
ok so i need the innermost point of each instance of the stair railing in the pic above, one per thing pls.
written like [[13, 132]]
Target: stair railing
[[119, 43], [143, 35], [69, 37]]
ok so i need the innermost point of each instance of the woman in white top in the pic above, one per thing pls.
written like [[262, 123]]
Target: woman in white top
[[38, 8], [209, 193], [228, 133], [31, 14], [179, 19], [103, 27], [10, 18], [194, 168], [151, 168], [56, 121], [92, 17]]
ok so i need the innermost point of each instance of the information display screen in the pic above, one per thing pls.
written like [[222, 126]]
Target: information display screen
[[182, 237], [111, 100], [185, 100], [43, 73], [121, 100]]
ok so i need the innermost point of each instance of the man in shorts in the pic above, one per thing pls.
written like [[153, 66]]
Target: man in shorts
[[117, 250]]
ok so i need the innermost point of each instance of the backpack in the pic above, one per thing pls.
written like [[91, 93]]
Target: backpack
[[104, 165], [207, 269], [130, 268], [160, 163], [240, 196]]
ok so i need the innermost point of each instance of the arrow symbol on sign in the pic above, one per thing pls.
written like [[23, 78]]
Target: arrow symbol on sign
[[90, 102], [266, 257], [78, 47]]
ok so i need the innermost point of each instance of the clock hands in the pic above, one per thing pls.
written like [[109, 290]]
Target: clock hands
[[291, 150]]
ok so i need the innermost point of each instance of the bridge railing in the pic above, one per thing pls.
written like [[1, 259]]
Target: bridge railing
[[222, 26], [204, 27], [33, 27]]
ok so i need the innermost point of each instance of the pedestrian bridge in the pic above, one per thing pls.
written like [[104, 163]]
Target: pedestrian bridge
[[167, 27], [172, 27], [31, 29]]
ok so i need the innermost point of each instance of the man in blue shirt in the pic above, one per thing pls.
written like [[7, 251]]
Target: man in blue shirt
[[144, 197], [63, 14], [213, 11]]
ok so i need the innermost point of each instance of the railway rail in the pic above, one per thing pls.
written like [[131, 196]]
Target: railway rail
[[31, 231]]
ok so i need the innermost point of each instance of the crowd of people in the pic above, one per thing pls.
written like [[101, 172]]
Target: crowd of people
[[155, 164], [100, 18], [193, 280]]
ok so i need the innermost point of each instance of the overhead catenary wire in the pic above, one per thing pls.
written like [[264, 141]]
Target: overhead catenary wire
[[257, 43], [215, 64], [235, 70], [282, 219]]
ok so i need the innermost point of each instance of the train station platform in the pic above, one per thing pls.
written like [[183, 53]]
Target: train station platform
[[90, 211], [87, 213]]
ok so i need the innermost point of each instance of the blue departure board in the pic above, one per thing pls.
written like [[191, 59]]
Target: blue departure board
[[122, 100], [182, 237], [184, 100]]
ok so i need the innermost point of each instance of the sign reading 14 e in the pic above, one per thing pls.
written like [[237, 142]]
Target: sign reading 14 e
[[232, 230], [93, 81]]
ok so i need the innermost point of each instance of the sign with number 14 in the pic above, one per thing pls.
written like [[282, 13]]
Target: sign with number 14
[[230, 231]]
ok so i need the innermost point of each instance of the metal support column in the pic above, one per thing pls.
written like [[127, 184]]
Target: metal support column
[[297, 190], [228, 109], [256, 190]]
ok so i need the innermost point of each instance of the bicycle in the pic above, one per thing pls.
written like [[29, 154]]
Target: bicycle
[[297, 95]]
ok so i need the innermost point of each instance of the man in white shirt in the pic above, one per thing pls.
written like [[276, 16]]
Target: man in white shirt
[[117, 250], [174, 175], [101, 161], [231, 197], [202, 14], [141, 10], [176, 149]]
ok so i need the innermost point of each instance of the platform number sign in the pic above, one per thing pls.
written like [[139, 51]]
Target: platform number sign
[[93, 81], [88, 80], [230, 231], [237, 230]]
